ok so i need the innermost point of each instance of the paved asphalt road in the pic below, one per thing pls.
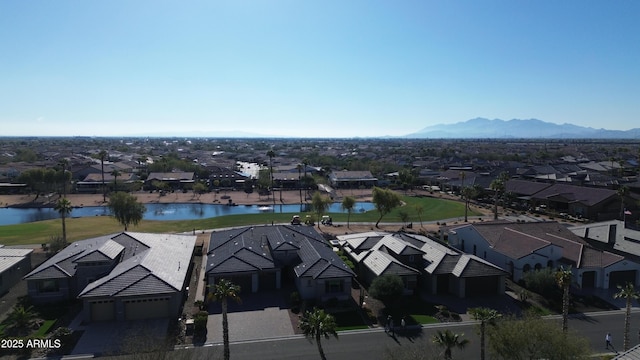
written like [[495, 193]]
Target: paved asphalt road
[[372, 344]]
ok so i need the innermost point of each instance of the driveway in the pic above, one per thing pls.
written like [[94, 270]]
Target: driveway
[[110, 338], [258, 316]]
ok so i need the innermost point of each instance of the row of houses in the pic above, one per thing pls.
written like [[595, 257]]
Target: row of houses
[[131, 276]]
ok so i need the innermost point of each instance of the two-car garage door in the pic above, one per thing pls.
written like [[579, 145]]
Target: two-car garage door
[[138, 309], [146, 308]]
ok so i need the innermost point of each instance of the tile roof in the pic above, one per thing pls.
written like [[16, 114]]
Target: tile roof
[[519, 239], [381, 263], [588, 196], [10, 257], [438, 258], [166, 257]]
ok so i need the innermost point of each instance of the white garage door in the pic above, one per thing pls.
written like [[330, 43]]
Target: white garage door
[[146, 308], [103, 310]]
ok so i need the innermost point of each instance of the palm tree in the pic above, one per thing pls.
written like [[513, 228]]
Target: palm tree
[[496, 186], [629, 293], [103, 155], [348, 203], [317, 324], [65, 164], [271, 154], [467, 194], [21, 318], [115, 173], [485, 316], [563, 279], [64, 208], [299, 167], [222, 291], [305, 163], [622, 192], [419, 211], [449, 340]]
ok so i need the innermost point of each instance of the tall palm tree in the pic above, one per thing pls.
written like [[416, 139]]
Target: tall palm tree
[[563, 279], [222, 291], [64, 163], [485, 316], [467, 194], [299, 167], [64, 208], [497, 186], [317, 324], [419, 211], [115, 173], [622, 192], [305, 163], [449, 340], [629, 293], [103, 155], [271, 154]]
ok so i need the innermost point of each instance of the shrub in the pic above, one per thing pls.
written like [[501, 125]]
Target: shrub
[[200, 320], [387, 287], [541, 281]]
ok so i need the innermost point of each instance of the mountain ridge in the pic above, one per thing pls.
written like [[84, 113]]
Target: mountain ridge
[[518, 128]]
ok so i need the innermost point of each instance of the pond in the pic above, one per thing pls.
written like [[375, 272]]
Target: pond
[[179, 211]]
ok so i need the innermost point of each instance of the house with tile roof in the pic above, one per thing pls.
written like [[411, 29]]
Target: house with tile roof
[[422, 263], [587, 202], [14, 264], [352, 179], [123, 276], [523, 247], [263, 258], [175, 180]]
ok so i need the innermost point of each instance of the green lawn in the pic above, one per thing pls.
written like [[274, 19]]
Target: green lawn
[[349, 320], [415, 310], [87, 227]]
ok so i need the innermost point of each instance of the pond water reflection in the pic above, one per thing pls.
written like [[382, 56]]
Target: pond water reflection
[[180, 211]]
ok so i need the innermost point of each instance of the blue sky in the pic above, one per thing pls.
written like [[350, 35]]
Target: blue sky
[[330, 68]]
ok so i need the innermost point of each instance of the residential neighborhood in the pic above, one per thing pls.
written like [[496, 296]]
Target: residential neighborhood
[[514, 216]]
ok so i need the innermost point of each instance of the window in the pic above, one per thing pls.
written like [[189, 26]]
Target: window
[[334, 286], [48, 286]]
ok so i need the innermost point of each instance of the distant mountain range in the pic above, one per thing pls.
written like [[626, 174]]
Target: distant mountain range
[[527, 129]]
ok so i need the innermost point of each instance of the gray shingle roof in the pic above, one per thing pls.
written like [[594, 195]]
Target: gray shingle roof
[[253, 248]]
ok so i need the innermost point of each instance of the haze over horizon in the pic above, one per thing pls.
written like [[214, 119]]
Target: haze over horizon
[[313, 69]]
